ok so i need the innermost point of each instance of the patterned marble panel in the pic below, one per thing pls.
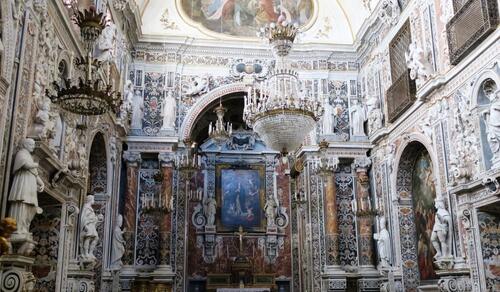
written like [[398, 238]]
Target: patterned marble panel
[[347, 219], [45, 228], [147, 234], [154, 84], [489, 230]]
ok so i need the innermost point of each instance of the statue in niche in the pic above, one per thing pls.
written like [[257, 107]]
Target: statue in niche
[[417, 62], [137, 111], [88, 233], [106, 43], [209, 209], [383, 243], [375, 115], [358, 118], [118, 245], [198, 86], [55, 141], [271, 210], [440, 236], [26, 184], [128, 98], [168, 109], [328, 117], [492, 118]]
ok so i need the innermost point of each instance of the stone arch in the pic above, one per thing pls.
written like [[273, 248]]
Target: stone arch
[[416, 186], [492, 74], [193, 113]]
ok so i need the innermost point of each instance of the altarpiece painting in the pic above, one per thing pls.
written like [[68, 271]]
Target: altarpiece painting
[[240, 198]]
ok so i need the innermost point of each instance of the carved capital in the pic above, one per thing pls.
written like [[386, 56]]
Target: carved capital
[[166, 159], [362, 164], [132, 158]]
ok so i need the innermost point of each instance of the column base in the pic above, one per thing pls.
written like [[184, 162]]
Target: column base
[[163, 274], [457, 280], [334, 279], [15, 273]]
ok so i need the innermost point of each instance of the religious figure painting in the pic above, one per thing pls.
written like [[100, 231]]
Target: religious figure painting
[[243, 18], [424, 194], [240, 199]]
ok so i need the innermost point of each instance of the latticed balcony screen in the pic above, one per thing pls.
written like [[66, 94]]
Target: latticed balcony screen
[[401, 94], [473, 21]]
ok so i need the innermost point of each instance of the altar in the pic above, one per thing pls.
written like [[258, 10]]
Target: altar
[[243, 290]]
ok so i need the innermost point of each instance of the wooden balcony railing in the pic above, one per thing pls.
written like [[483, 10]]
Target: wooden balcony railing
[[400, 96]]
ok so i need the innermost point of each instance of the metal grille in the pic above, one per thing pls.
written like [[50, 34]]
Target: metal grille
[[400, 96], [458, 4], [475, 20], [397, 48]]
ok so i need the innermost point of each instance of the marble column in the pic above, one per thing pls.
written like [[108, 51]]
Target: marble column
[[364, 213], [133, 161], [165, 220], [331, 222]]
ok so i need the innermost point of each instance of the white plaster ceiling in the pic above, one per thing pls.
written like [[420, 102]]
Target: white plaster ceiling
[[327, 21]]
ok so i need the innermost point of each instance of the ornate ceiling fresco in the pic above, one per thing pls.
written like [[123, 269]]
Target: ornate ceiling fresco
[[324, 21], [245, 17]]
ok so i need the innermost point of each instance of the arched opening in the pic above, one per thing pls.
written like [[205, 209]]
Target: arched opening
[[416, 189], [489, 118], [98, 186], [234, 104]]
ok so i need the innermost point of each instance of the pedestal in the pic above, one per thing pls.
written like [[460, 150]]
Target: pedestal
[[455, 280], [15, 273], [80, 278]]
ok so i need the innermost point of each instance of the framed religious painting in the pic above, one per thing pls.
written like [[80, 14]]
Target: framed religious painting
[[240, 197]]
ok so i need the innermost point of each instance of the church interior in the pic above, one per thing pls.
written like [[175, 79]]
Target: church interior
[[249, 145]]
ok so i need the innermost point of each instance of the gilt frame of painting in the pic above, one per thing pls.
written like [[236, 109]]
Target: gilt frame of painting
[[240, 194]]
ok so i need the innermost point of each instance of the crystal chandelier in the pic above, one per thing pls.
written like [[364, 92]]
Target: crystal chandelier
[[88, 95], [323, 165], [277, 109], [220, 133]]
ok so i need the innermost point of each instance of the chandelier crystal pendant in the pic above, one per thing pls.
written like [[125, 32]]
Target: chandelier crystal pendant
[[87, 95], [221, 132], [278, 109]]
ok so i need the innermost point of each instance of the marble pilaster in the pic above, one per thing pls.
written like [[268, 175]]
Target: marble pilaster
[[331, 222], [133, 161]]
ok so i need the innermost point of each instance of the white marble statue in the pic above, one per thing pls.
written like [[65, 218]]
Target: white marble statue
[[168, 109], [441, 233], [137, 111], [199, 85], [106, 43], [88, 229], [358, 118], [389, 11], [23, 197], [492, 118], [42, 119], [271, 210], [128, 98], [383, 244], [417, 62], [209, 209], [328, 117], [375, 116], [118, 245]]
